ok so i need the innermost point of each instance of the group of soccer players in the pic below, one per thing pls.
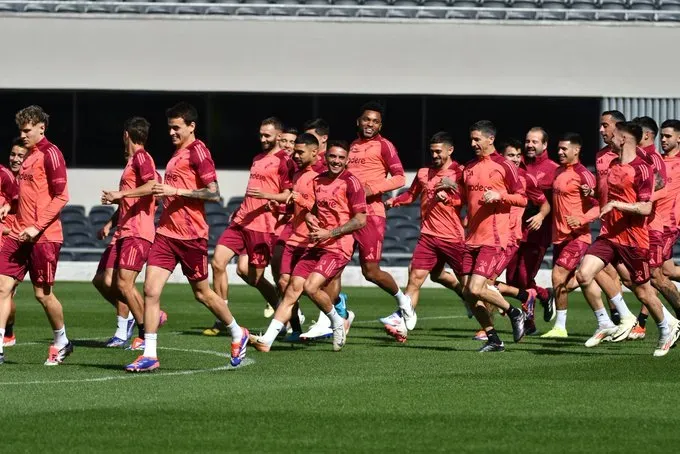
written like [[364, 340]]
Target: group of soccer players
[[310, 202]]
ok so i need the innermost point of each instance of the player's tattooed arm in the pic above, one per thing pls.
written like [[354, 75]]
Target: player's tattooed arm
[[639, 208], [659, 182], [210, 193], [357, 222]]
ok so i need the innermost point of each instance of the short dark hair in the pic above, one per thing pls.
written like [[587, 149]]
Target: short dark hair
[[484, 126], [138, 129], [511, 142], [33, 115], [306, 139], [543, 132], [274, 121], [442, 137], [183, 110], [671, 123], [615, 114], [18, 142], [631, 128], [319, 125], [338, 143], [374, 106], [647, 123], [289, 130], [572, 138]]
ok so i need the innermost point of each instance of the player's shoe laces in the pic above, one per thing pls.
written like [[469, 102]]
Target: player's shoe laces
[[399, 332], [9, 341], [638, 332], [268, 311], [341, 305], [215, 330], [625, 327], [393, 319], [518, 329], [549, 310], [136, 344], [492, 347], [238, 349], [339, 336], [116, 342], [410, 317], [667, 341], [143, 364], [556, 333], [601, 335], [319, 329], [480, 336], [56, 355], [255, 341]]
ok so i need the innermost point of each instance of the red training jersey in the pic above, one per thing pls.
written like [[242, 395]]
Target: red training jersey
[[136, 215], [569, 201], [543, 169]]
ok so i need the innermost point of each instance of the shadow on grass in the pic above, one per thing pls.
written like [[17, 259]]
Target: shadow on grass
[[89, 343]]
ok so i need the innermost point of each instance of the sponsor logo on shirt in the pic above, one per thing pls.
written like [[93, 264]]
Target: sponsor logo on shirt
[[26, 177], [361, 161], [478, 188]]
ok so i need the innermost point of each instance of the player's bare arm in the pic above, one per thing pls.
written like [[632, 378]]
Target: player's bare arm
[[659, 182], [210, 193], [258, 194], [4, 210], [106, 228], [109, 197], [536, 221], [357, 222], [639, 208]]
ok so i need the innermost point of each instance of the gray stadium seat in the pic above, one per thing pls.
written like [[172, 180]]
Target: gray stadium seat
[[157, 10], [580, 15], [376, 3], [188, 10], [98, 9], [669, 6], [334, 12], [520, 15], [639, 17], [8, 8], [88, 257], [437, 3], [493, 4], [460, 14], [608, 16], [66, 256], [553, 4], [613, 4], [430, 14], [370, 13], [304, 12], [411, 3], [214, 207], [217, 218], [79, 209], [399, 248], [491, 15], [668, 17], [550, 15], [127, 9], [643, 4], [465, 4], [36, 8], [219, 10], [247, 11], [584, 4], [68, 8], [525, 4], [401, 261]]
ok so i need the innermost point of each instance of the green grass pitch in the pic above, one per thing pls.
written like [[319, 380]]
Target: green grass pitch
[[432, 394]]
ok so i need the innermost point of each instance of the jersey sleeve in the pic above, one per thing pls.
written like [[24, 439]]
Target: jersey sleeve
[[202, 163], [286, 169], [534, 193], [516, 195], [144, 166], [356, 196], [55, 172], [409, 196], [659, 167], [644, 182], [389, 156]]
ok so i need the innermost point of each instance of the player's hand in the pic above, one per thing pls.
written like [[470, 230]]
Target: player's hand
[[606, 209], [110, 197], [491, 196], [292, 197], [535, 222], [389, 203], [447, 183], [272, 206], [257, 194], [104, 231], [29, 234], [164, 190], [319, 234], [4, 210], [587, 191], [442, 196], [312, 222], [573, 222]]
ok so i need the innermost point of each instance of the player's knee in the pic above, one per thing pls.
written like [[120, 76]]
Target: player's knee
[[43, 298], [310, 288], [283, 283], [583, 279], [370, 271]]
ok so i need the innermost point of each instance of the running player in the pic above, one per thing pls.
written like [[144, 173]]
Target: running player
[[670, 143], [662, 233], [135, 225], [491, 186], [573, 213], [9, 188], [36, 236], [182, 236], [252, 228], [625, 242], [442, 238], [536, 225], [339, 209]]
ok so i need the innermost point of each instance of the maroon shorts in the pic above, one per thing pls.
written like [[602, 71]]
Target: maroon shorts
[[38, 259], [432, 250], [482, 260], [132, 253], [166, 252], [370, 239], [568, 254], [284, 235], [108, 260], [508, 254], [257, 245], [661, 246], [635, 259], [327, 263], [291, 256]]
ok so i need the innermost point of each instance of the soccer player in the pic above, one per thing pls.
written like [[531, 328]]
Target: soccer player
[[182, 236], [339, 209], [572, 214], [9, 188], [135, 226], [491, 186], [662, 221], [36, 236], [625, 242], [442, 237], [537, 226], [252, 228], [286, 140], [670, 143], [320, 129]]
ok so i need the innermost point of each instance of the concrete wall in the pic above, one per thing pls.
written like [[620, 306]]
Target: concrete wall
[[420, 57]]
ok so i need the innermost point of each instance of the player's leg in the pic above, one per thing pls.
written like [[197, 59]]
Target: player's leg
[[7, 283], [609, 281], [103, 281], [563, 282], [125, 284], [314, 288], [9, 339], [671, 270], [598, 255], [667, 324], [221, 257], [534, 254], [259, 247]]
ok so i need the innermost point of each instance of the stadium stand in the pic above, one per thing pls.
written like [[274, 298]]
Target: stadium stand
[[494, 10]]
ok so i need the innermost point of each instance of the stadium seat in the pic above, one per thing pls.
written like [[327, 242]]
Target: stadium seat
[[158, 10], [584, 4], [217, 219], [430, 14], [36, 8], [68, 8], [8, 8], [407, 230], [397, 249], [334, 12], [526, 4], [460, 14], [553, 4], [520, 15], [648, 5], [609, 16], [214, 207], [79, 239], [127, 9], [640, 17], [669, 17], [613, 4], [77, 225], [413, 4], [464, 4], [67, 256], [436, 3], [98, 9], [376, 3], [306, 12], [88, 257], [100, 212], [398, 215], [247, 11], [581, 15], [550, 15], [401, 261], [187, 10], [219, 10], [370, 13], [74, 209], [390, 241]]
